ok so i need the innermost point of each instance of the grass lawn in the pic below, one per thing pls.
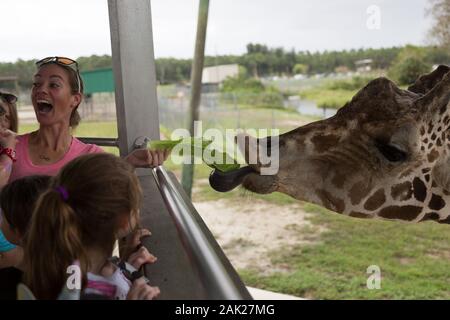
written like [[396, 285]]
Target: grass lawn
[[414, 259], [328, 98]]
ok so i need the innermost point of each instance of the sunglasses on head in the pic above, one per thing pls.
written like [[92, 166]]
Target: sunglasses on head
[[65, 62], [8, 97]]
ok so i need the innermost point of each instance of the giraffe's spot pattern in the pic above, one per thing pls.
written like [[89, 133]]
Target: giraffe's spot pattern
[[439, 142], [375, 201], [402, 191], [427, 178], [408, 213], [338, 180], [425, 170], [358, 191], [323, 143], [430, 127], [436, 202], [430, 216], [359, 215], [433, 136], [405, 173], [419, 189], [446, 220], [433, 155], [425, 140], [422, 130], [330, 201]]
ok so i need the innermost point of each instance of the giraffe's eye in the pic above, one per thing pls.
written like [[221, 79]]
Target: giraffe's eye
[[391, 152]]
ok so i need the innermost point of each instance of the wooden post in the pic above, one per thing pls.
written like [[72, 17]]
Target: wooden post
[[196, 86]]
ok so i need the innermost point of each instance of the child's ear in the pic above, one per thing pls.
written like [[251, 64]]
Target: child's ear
[[123, 225]]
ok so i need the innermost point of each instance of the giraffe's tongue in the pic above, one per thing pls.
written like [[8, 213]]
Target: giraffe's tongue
[[227, 181]]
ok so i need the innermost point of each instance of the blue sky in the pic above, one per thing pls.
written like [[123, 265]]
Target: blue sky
[[39, 28]]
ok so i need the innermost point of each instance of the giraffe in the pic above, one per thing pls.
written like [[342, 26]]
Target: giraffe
[[385, 154]]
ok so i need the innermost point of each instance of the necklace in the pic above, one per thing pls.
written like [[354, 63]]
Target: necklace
[[44, 157]]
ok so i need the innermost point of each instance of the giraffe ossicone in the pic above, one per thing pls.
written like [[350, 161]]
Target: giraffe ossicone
[[385, 154]]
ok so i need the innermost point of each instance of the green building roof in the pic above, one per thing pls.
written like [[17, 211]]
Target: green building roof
[[100, 80]]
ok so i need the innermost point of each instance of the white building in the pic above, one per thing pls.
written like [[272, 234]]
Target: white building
[[217, 74], [364, 65]]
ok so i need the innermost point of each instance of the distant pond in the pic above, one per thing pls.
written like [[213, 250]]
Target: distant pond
[[308, 107]]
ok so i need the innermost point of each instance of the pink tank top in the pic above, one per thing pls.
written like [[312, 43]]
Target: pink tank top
[[24, 167]]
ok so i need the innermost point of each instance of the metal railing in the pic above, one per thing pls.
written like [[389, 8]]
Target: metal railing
[[218, 277], [103, 142]]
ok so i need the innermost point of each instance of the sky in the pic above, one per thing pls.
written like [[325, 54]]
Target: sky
[[32, 29]]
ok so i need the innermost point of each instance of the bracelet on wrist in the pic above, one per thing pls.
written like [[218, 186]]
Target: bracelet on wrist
[[9, 152]]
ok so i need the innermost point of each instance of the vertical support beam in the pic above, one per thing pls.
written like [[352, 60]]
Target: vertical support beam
[[187, 177], [134, 71]]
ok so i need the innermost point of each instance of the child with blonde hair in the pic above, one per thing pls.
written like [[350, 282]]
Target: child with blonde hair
[[91, 203]]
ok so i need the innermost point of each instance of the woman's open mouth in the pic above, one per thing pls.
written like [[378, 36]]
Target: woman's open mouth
[[44, 106]]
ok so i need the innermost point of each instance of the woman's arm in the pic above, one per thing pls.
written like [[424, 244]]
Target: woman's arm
[[5, 169], [145, 158], [8, 139]]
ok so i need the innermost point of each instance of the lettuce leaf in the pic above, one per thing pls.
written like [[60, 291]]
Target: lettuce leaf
[[226, 162]]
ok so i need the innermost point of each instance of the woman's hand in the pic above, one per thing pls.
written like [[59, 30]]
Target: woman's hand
[[8, 138], [145, 158], [140, 290]]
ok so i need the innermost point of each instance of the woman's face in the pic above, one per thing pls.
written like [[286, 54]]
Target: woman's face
[[52, 96], [5, 120]]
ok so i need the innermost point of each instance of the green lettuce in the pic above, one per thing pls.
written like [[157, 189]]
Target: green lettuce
[[227, 163]]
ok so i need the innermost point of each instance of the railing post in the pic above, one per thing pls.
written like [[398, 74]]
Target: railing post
[[134, 71]]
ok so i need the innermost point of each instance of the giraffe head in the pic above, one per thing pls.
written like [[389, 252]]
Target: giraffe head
[[384, 154]]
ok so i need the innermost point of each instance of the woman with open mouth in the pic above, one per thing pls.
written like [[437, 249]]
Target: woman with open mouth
[[56, 94]]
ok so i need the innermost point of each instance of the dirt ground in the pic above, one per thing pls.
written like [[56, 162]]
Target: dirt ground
[[250, 231]]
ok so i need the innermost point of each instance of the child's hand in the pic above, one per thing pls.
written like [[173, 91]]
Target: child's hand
[[141, 257], [140, 290], [8, 138], [132, 241], [135, 237]]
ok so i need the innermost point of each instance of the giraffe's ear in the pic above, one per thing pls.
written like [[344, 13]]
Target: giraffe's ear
[[437, 99], [428, 81]]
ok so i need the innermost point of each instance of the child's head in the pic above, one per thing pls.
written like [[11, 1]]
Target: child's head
[[17, 202], [8, 115], [92, 201]]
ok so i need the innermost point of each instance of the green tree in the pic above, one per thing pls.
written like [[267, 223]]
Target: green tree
[[440, 31], [300, 68], [410, 63]]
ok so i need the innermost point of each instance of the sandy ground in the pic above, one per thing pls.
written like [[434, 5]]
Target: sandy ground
[[251, 231]]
